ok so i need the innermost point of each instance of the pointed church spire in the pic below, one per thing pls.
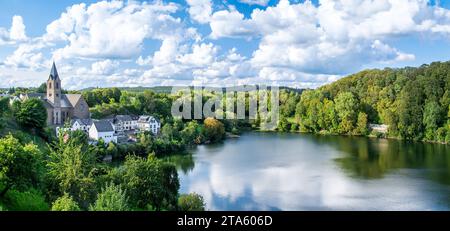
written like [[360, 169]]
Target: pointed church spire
[[54, 72]]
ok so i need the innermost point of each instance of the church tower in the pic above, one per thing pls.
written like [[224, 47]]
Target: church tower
[[54, 87], [54, 94]]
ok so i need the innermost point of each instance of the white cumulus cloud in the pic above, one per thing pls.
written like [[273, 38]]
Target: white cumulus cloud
[[200, 10], [111, 29], [15, 34]]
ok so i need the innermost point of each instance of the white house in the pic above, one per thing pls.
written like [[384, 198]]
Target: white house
[[124, 123], [381, 128], [81, 124], [102, 129], [149, 123]]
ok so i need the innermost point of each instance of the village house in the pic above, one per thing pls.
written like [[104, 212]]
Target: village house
[[124, 123], [60, 107], [149, 123], [81, 124], [104, 130]]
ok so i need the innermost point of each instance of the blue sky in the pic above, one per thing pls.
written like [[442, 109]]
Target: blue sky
[[210, 42]]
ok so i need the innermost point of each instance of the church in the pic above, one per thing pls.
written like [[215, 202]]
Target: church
[[60, 107]]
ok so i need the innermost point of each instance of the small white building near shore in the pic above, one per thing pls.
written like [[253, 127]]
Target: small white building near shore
[[102, 129]]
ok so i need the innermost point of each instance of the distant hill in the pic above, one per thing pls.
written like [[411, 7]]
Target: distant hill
[[168, 89]]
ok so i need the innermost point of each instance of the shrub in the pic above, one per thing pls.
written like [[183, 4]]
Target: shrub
[[111, 198], [191, 202], [31, 200], [65, 203]]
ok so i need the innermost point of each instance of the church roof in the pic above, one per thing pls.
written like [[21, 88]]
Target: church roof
[[54, 73], [72, 98], [67, 100]]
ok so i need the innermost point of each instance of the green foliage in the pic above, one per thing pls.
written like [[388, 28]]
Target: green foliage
[[432, 118], [361, 124], [71, 168], [65, 203], [4, 105], [413, 102], [214, 130], [42, 88], [150, 182], [100, 96], [111, 198], [191, 202], [31, 200], [18, 164], [410, 112], [31, 114], [192, 133], [346, 105]]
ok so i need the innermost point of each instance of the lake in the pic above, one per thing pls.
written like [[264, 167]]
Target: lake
[[276, 171]]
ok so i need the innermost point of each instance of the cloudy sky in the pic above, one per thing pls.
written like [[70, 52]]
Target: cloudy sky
[[293, 43]]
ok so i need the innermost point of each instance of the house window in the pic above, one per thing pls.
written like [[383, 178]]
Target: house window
[[50, 95], [57, 95], [50, 85], [57, 85]]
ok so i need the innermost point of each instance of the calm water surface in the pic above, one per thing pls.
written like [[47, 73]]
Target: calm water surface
[[271, 171]]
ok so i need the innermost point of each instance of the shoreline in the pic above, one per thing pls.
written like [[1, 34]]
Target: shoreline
[[348, 135]]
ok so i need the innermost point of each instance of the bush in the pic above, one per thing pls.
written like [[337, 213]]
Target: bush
[[65, 203], [191, 202], [214, 130], [112, 198], [31, 200], [440, 134]]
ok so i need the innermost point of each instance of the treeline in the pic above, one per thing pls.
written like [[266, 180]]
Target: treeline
[[413, 102], [112, 101]]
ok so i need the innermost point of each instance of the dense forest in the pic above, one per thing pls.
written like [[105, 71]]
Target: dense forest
[[413, 102], [39, 171]]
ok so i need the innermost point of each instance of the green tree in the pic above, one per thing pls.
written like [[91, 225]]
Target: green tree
[[432, 117], [42, 88], [65, 203], [29, 200], [192, 133], [4, 105], [409, 111], [32, 114], [111, 198], [214, 130], [191, 202], [346, 105], [150, 182], [361, 124], [19, 164], [71, 168]]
